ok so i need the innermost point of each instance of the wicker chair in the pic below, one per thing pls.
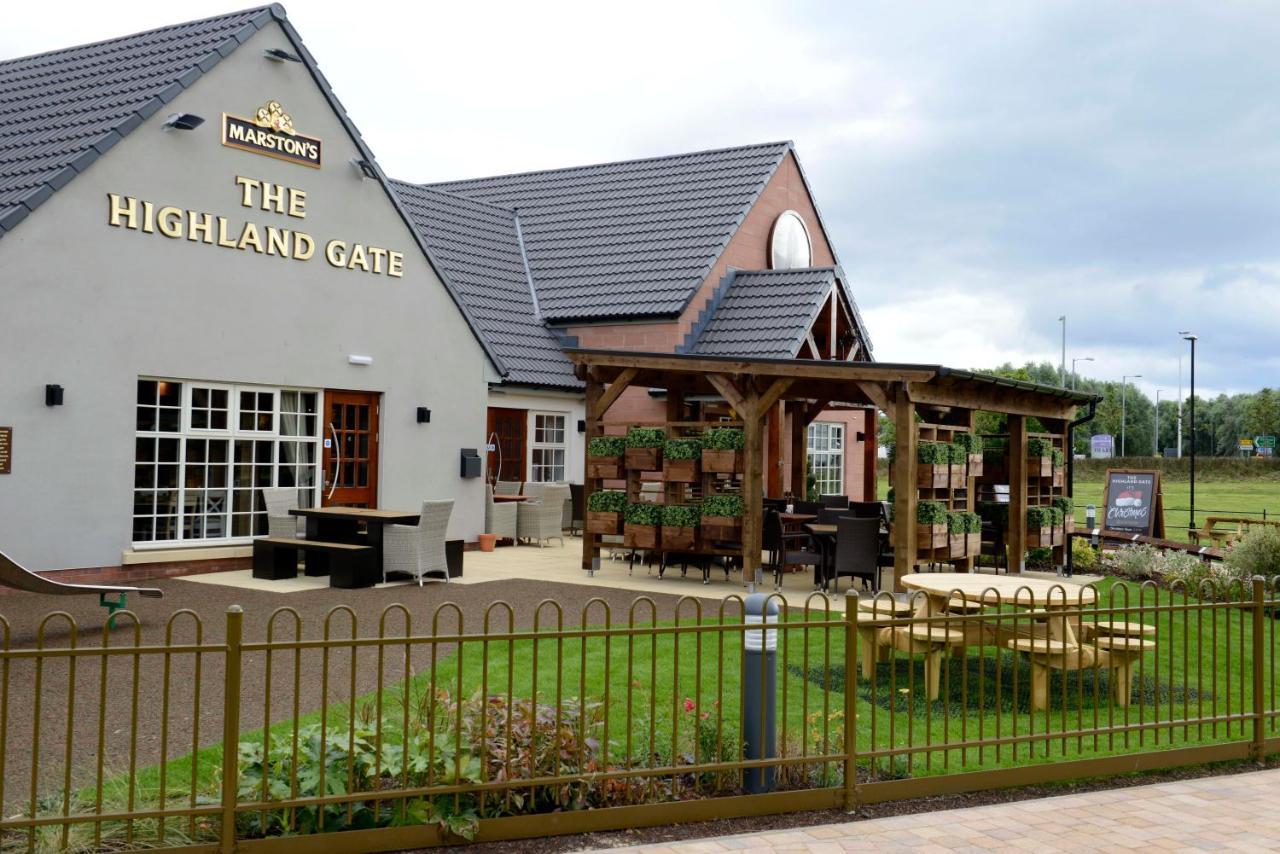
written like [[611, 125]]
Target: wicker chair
[[418, 549], [499, 517], [533, 489], [857, 551], [788, 549], [541, 519], [507, 487], [280, 500]]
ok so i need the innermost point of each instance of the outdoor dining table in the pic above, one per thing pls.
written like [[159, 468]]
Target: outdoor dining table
[[342, 525]]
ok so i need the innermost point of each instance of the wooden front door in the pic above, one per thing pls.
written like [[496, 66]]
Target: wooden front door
[[351, 449], [507, 434]]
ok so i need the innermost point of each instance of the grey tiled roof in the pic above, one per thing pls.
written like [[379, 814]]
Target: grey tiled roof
[[478, 246], [762, 314], [628, 239], [60, 111]]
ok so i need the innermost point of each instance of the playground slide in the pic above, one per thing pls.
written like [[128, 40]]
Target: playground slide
[[15, 576]]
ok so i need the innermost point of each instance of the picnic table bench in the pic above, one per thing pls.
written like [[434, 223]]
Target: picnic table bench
[[1221, 531], [348, 565]]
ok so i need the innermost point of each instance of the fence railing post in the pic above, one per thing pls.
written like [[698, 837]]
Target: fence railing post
[[850, 697], [231, 728], [1258, 748]]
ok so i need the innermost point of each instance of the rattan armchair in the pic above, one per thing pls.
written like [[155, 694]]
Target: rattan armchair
[[499, 516], [542, 519], [507, 487], [280, 500], [418, 550]]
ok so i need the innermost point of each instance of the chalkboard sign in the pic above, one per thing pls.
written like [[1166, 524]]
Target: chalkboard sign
[[1133, 503]]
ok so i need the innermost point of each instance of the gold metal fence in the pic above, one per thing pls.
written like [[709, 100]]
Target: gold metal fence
[[419, 732]]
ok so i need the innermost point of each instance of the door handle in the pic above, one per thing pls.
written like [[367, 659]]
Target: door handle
[[337, 460]]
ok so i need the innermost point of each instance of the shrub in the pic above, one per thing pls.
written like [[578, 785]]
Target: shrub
[[681, 515], [723, 439], [643, 513], [933, 454], [1059, 460], [1065, 504], [931, 513], [607, 501], [722, 505], [1039, 517], [957, 454], [1039, 558], [1256, 553], [1037, 447], [646, 437], [972, 523], [607, 446], [971, 443], [964, 522], [688, 448], [1134, 563], [1084, 558]]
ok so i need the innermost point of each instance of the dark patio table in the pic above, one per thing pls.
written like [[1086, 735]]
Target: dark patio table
[[342, 525]]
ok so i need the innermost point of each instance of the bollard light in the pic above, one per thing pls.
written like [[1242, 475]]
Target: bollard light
[[760, 689]]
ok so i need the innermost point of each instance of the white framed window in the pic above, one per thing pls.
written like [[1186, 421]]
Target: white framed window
[[203, 451], [547, 450], [826, 456]]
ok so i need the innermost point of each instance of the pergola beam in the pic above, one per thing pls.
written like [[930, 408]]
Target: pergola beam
[[612, 393]]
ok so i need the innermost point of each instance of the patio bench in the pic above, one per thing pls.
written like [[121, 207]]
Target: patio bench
[[1116, 628], [1122, 653], [348, 565], [933, 641]]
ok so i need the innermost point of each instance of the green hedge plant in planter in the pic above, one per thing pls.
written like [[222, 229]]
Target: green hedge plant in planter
[[604, 457], [959, 459], [682, 460], [933, 465], [1039, 527], [1059, 467], [722, 450], [1039, 457], [722, 518], [972, 447], [972, 534], [605, 509], [680, 526], [931, 525], [1067, 506], [642, 521], [644, 448]]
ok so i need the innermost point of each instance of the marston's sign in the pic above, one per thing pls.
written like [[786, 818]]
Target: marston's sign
[[270, 132]]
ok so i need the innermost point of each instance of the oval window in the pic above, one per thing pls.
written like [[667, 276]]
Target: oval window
[[789, 245]]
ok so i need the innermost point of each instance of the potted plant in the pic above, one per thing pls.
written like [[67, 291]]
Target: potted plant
[[972, 445], [931, 525], [1039, 527], [640, 530], [955, 534], [1057, 518], [722, 517], [933, 470], [1059, 468], [1067, 507], [604, 457], [681, 460], [959, 459], [680, 526], [605, 508], [644, 448], [972, 534], [722, 450], [1039, 457]]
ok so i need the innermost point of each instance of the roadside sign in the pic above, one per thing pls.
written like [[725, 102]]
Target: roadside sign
[[1265, 441], [1102, 446], [1245, 446]]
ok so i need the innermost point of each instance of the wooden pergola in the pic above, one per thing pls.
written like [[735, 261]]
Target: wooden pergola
[[912, 395]]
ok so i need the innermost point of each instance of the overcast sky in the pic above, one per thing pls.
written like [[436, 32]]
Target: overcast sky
[[982, 167]]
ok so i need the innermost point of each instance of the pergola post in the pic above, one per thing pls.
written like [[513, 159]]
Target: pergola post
[[904, 486], [1018, 492], [593, 391], [871, 455], [799, 446], [774, 419]]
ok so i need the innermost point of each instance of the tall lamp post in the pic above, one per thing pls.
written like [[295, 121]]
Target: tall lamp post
[[1075, 359], [1187, 336], [1155, 435], [1124, 386], [1063, 369]]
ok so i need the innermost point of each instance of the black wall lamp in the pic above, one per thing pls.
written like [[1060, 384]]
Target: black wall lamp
[[582, 426], [183, 121], [424, 415], [52, 395], [363, 168], [276, 54]]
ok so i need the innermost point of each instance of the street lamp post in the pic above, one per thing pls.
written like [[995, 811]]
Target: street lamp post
[[1155, 440], [1063, 369], [1075, 359], [1124, 387], [1187, 336]]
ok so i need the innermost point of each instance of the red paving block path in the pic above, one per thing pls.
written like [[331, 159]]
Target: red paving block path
[[1229, 813]]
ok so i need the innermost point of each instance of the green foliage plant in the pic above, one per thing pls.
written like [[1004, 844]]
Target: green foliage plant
[[1084, 557], [687, 448], [933, 454], [606, 446], [607, 501], [646, 437], [1255, 553], [1037, 447], [643, 513], [681, 515], [964, 522], [971, 443], [1059, 459], [1064, 504], [1039, 517], [931, 513], [727, 506], [723, 439]]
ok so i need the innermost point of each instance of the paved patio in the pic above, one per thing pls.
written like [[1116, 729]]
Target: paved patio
[[1227, 813]]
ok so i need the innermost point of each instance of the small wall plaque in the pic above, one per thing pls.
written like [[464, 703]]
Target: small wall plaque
[[6, 449]]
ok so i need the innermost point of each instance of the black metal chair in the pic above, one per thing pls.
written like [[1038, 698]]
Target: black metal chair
[[829, 515], [808, 508], [840, 501], [778, 504], [865, 510], [857, 551], [993, 546], [789, 549]]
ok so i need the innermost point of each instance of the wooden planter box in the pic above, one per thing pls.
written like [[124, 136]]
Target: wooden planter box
[[1057, 535], [1036, 466], [975, 465], [679, 539], [603, 523], [933, 476], [973, 545], [721, 462], [644, 459], [681, 471], [1039, 538], [608, 468], [957, 545], [1069, 524], [931, 536], [959, 474], [726, 529], [640, 536], [1060, 476]]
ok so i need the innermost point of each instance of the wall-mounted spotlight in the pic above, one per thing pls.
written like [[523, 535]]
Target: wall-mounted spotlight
[[276, 54], [424, 415], [52, 395], [364, 169], [183, 121], [353, 359]]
